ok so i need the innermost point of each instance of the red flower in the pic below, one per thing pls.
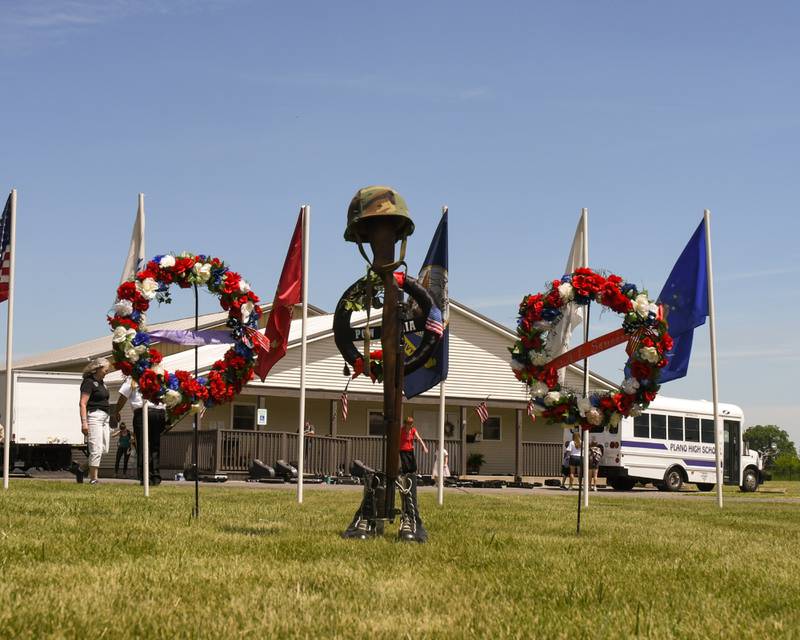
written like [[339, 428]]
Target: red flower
[[155, 356], [649, 395], [125, 366], [231, 282], [149, 383], [127, 291], [640, 370]]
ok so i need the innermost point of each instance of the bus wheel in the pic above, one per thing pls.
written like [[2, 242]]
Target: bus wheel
[[621, 484], [704, 486], [673, 480], [749, 480]]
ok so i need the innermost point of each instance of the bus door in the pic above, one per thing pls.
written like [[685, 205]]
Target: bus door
[[731, 453]]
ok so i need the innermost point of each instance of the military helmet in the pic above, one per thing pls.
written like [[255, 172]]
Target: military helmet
[[374, 202]]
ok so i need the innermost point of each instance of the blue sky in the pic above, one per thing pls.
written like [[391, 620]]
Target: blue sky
[[229, 114]]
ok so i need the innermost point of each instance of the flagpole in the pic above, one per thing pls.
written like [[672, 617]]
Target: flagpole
[[145, 443], [7, 417], [585, 440], [713, 336], [195, 425], [439, 462], [306, 210]]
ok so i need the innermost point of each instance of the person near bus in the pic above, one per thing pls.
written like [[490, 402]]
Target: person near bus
[[565, 465], [574, 457], [595, 456], [94, 412]]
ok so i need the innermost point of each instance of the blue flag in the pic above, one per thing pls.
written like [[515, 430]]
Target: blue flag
[[685, 300], [433, 276]]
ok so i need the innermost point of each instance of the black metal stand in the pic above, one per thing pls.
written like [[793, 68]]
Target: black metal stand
[[196, 510], [583, 434]]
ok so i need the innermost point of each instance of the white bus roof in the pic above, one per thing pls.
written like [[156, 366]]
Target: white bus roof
[[704, 407]]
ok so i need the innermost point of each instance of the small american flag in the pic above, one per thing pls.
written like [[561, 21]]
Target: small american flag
[[531, 410], [483, 411], [344, 405], [5, 250], [434, 322]]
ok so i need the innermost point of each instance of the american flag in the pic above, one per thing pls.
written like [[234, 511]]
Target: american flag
[[344, 405], [5, 249], [483, 411], [434, 322], [531, 410]]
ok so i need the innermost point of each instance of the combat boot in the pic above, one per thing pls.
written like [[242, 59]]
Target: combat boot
[[363, 525], [411, 527]]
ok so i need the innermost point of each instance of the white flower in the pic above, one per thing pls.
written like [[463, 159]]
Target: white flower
[[516, 365], [167, 261], [539, 389], [649, 354], [121, 334], [158, 370], [172, 398], [142, 348], [123, 308], [247, 309], [244, 286], [131, 354], [630, 386], [198, 407], [594, 416], [538, 358], [614, 420], [641, 305], [566, 292], [584, 405], [203, 271], [148, 288], [552, 398]]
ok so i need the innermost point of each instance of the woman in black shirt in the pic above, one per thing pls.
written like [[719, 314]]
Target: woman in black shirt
[[95, 413]]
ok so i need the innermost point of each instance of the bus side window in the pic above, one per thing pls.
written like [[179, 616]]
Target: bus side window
[[708, 430], [675, 427], [641, 426], [658, 426], [692, 429]]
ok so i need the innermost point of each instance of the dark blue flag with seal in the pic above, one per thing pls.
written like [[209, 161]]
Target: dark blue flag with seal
[[685, 301], [433, 276]]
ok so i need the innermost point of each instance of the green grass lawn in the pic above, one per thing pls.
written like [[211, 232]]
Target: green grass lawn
[[103, 562]]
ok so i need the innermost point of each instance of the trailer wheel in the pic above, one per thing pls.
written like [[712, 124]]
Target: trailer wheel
[[704, 486], [621, 484], [673, 479], [749, 480]]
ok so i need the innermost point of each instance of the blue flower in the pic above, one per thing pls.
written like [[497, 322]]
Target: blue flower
[[550, 314], [203, 381], [629, 287], [173, 382], [243, 350], [140, 338]]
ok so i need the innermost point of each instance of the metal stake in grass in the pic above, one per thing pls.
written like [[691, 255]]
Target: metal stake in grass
[[196, 510]]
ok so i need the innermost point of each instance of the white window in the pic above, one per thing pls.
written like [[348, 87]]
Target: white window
[[244, 416], [375, 422], [491, 428]]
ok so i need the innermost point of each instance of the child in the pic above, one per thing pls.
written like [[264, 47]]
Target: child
[[408, 432], [565, 465], [123, 449]]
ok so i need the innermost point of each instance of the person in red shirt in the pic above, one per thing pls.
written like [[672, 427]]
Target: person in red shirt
[[408, 432]]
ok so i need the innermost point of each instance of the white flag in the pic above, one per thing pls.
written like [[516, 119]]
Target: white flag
[[135, 259], [572, 316]]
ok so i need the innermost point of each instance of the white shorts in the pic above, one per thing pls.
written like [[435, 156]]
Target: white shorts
[[99, 436]]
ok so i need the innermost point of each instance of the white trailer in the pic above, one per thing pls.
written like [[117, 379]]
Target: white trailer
[[46, 423], [673, 442]]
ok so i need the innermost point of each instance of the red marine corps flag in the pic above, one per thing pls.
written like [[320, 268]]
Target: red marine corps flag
[[288, 294]]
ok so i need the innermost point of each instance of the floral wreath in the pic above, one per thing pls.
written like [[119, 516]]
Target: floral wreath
[[133, 355], [647, 347]]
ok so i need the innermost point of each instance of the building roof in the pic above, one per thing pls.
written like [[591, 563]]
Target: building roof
[[99, 347]]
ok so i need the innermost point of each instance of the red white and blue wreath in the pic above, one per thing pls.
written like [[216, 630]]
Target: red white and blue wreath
[[133, 355], [648, 343]]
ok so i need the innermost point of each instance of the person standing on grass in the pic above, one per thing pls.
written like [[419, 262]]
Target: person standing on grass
[[595, 456], [565, 465], [156, 421], [408, 433], [123, 449], [445, 465], [574, 456], [94, 411]]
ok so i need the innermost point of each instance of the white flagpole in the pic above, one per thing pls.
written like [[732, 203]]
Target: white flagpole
[[718, 440], [145, 443], [7, 417], [301, 428], [585, 439]]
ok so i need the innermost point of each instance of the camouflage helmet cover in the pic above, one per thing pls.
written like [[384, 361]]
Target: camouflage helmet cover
[[373, 202]]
